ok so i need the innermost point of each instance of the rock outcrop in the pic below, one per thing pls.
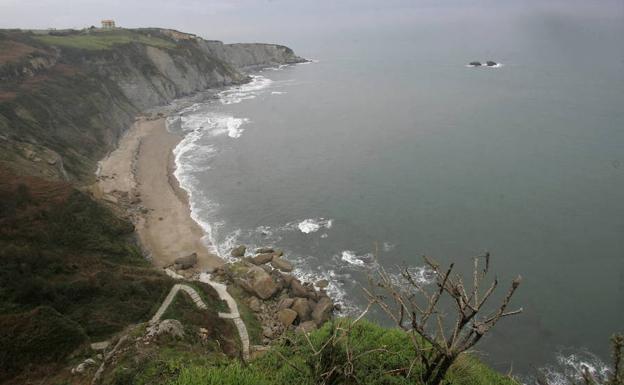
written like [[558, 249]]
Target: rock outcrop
[[280, 301]]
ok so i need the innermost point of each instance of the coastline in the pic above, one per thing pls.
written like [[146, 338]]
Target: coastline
[[138, 177]]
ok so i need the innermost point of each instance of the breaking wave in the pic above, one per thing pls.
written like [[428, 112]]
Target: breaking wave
[[569, 368], [313, 225], [245, 91]]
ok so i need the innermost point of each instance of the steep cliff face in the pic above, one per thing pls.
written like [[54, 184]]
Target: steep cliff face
[[65, 100], [252, 56]]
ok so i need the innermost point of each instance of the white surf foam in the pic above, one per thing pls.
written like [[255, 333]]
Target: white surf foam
[[569, 369], [387, 246], [335, 287], [350, 257], [313, 225], [278, 92], [245, 91]]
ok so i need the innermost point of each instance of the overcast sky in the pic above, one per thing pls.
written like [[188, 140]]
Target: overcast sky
[[283, 20]]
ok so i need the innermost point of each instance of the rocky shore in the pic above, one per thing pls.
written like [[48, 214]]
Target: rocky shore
[[278, 299]]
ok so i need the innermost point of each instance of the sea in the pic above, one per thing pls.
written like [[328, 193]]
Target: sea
[[387, 146]]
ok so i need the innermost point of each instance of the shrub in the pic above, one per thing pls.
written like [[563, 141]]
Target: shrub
[[42, 335]]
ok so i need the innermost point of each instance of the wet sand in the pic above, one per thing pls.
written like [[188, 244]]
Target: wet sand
[[138, 177]]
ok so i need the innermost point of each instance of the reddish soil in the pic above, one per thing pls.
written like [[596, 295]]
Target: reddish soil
[[42, 191], [13, 51]]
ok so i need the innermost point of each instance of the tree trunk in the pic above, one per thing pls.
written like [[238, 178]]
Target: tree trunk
[[438, 374]]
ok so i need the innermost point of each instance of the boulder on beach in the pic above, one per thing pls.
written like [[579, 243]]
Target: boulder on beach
[[287, 317], [285, 303], [306, 327], [261, 259], [302, 307], [187, 262], [322, 310], [322, 283], [264, 250], [297, 289], [238, 251], [281, 264], [261, 283]]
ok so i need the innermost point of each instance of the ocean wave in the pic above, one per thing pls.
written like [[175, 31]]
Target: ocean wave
[[569, 369], [336, 287], [213, 124], [313, 225], [352, 258], [422, 275], [278, 92], [245, 91], [387, 246]]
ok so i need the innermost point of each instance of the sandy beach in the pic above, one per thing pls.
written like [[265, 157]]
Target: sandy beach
[[138, 177]]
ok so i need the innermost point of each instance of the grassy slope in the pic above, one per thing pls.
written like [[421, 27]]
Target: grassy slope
[[105, 40], [69, 267], [271, 369]]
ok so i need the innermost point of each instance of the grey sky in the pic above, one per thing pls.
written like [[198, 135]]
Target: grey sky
[[285, 21]]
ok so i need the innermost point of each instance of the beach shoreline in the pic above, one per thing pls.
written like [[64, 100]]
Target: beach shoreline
[[138, 178]]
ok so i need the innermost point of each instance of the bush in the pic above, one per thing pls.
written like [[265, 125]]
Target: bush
[[380, 356], [40, 336]]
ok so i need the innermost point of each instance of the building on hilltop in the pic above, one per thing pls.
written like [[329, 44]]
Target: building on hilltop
[[108, 24]]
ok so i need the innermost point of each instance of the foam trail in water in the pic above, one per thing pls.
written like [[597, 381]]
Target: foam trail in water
[[313, 225], [569, 369], [245, 91]]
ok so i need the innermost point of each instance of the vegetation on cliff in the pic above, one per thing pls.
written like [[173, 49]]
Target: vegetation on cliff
[[70, 272]]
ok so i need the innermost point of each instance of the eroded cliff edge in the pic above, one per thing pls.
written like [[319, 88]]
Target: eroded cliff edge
[[65, 98]]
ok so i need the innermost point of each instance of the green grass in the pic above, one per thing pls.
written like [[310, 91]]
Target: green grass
[[303, 367], [254, 328], [231, 374], [103, 40]]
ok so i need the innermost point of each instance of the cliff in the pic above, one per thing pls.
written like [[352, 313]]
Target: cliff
[[66, 98]]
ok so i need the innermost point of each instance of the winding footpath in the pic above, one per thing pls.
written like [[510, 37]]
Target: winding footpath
[[221, 290]]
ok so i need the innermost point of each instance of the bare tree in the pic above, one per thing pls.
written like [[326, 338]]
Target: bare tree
[[416, 308]]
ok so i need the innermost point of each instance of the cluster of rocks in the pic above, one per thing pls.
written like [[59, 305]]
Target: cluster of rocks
[[280, 301]]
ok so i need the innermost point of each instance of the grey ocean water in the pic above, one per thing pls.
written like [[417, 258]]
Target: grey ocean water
[[390, 139]]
